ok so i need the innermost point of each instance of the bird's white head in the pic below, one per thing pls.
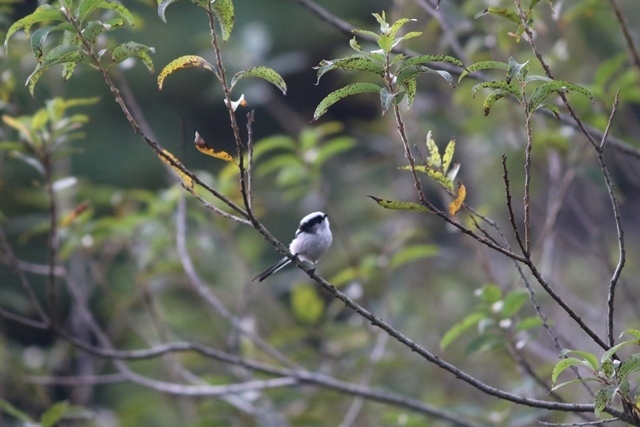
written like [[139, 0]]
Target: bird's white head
[[313, 223]]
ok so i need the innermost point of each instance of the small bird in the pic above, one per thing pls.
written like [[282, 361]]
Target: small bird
[[312, 240]]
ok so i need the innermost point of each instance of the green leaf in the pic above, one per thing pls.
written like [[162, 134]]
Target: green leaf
[[536, 78], [129, 49], [54, 414], [334, 147], [355, 62], [492, 98], [562, 365], [484, 65], [634, 332], [65, 53], [413, 253], [261, 72], [337, 95], [490, 294], [271, 143], [513, 302], [459, 328], [410, 87], [119, 9], [86, 7], [355, 45], [184, 62], [607, 368], [408, 36], [547, 89], [604, 396], [374, 36], [39, 119], [554, 109], [162, 6], [421, 59], [509, 14], [42, 13], [277, 163], [414, 70], [385, 42], [37, 40], [496, 84], [395, 27], [9, 409], [94, 28], [630, 365], [590, 359], [306, 304], [448, 155], [575, 381], [402, 206], [485, 343], [223, 9], [528, 323]]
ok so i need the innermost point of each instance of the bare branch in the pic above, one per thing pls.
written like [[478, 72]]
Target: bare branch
[[631, 47], [620, 232]]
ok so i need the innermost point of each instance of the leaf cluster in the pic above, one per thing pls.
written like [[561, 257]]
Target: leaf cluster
[[46, 132], [497, 318], [612, 373], [78, 25], [297, 163], [516, 83], [512, 15], [397, 71]]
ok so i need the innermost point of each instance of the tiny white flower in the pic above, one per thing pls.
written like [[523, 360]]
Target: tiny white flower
[[505, 323], [497, 306]]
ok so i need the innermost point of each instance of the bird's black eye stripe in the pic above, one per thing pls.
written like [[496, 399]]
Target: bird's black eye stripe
[[307, 227]]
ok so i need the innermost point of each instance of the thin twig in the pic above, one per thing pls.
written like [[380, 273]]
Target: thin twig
[[512, 219], [620, 232], [250, 121], [631, 47], [527, 184], [407, 153]]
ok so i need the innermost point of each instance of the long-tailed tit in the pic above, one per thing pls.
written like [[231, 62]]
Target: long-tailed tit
[[312, 240]]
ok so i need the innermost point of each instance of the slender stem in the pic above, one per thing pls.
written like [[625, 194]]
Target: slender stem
[[512, 219], [620, 232], [527, 185], [631, 47]]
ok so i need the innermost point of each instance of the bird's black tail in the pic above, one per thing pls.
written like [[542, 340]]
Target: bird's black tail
[[275, 267]]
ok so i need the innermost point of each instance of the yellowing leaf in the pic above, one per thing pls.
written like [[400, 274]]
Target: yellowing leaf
[[66, 220], [434, 159], [448, 155], [204, 148], [184, 62], [456, 203], [186, 179], [401, 206], [17, 125]]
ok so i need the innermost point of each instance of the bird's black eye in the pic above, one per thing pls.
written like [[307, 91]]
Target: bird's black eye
[[309, 225]]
